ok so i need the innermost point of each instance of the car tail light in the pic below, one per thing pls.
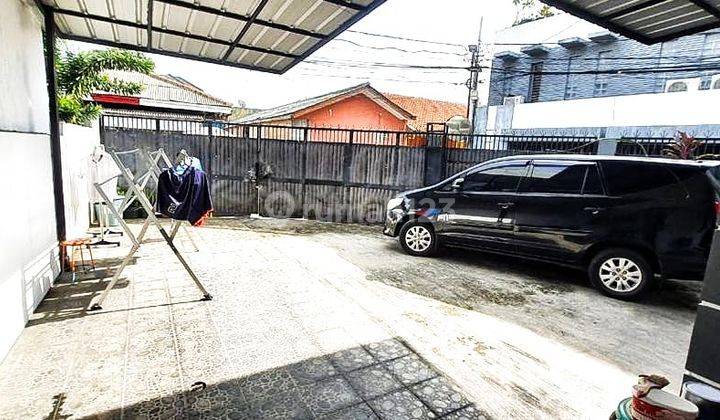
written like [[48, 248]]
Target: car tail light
[[717, 210]]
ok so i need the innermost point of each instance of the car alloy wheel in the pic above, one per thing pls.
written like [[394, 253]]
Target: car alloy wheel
[[418, 238], [620, 274]]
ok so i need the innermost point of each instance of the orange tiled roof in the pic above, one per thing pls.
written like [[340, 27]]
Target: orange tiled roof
[[427, 110]]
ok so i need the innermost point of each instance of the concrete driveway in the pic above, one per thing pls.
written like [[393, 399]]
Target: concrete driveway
[[315, 320]]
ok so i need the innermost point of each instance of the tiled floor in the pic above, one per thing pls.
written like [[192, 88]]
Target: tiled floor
[[374, 381], [295, 330], [274, 343]]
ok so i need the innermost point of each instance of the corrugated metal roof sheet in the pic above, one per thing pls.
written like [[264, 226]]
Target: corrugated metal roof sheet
[[162, 87], [648, 21], [266, 35]]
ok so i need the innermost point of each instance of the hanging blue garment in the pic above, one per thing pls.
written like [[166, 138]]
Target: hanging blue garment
[[194, 163], [184, 196]]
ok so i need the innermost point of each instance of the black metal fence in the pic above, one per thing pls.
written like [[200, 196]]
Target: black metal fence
[[327, 173], [654, 146]]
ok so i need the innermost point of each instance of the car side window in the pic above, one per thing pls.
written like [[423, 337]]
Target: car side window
[[593, 182], [505, 178], [624, 178], [556, 178]]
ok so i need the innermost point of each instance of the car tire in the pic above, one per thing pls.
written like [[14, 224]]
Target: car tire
[[418, 239], [621, 273]]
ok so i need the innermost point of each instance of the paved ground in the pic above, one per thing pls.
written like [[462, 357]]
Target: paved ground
[[314, 320]]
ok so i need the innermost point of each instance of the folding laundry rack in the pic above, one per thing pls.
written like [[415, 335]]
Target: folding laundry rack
[[136, 191]]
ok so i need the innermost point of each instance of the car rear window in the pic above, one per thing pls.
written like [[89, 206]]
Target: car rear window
[[624, 178]]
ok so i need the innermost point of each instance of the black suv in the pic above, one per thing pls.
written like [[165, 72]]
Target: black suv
[[626, 220]]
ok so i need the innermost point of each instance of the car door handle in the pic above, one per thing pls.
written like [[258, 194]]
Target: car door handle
[[505, 206], [594, 210]]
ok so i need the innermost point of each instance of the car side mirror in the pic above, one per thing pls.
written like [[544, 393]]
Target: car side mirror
[[457, 184]]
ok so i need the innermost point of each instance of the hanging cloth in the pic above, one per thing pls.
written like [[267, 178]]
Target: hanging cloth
[[184, 196]]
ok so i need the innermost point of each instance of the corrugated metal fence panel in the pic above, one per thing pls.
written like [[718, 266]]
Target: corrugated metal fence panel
[[458, 160], [373, 164], [284, 157], [233, 197], [325, 202], [325, 161], [233, 157], [411, 167], [328, 174], [171, 143], [367, 205]]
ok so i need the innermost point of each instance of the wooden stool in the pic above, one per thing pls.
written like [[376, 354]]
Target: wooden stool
[[77, 246]]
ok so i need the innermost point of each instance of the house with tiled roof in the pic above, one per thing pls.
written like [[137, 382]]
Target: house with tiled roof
[[163, 96], [428, 111], [360, 107]]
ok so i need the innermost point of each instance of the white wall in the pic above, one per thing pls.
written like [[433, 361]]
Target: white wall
[[77, 144], [24, 102], [28, 243], [28, 248], [662, 109]]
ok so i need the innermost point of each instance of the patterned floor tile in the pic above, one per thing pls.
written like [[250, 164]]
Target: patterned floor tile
[[388, 349], [373, 381], [266, 384], [312, 370], [351, 359], [401, 405], [439, 394], [356, 412], [410, 369], [468, 413], [328, 396], [287, 405]]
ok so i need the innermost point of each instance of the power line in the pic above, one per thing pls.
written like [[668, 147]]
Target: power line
[[405, 39], [364, 64], [400, 49], [438, 82]]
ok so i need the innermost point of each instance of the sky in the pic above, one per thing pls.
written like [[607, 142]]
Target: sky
[[447, 21]]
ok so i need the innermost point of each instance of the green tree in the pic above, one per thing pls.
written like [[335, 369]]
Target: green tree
[[80, 74], [527, 11]]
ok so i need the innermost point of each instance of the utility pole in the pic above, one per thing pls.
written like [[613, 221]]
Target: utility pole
[[474, 76]]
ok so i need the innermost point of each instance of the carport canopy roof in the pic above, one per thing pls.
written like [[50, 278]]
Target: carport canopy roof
[[265, 35], [647, 21]]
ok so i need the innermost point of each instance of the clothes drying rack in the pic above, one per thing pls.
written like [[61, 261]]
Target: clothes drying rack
[[136, 192]]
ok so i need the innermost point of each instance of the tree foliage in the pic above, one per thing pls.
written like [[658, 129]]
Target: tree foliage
[[527, 11], [80, 74]]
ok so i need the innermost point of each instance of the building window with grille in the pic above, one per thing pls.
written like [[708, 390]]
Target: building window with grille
[[535, 82], [571, 91], [601, 87], [678, 87], [705, 84], [711, 47]]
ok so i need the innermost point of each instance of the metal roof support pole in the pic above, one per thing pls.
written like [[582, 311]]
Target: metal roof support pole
[[55, 150], [149, 24]]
